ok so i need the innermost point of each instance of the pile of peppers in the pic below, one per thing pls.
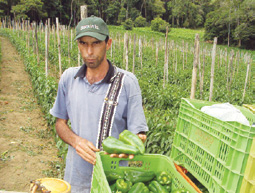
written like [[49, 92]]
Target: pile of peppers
[[128, 143], [137, 181]]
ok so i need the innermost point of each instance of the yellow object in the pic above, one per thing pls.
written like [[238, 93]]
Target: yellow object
[[250, 107], [248, 184], [55, 185]]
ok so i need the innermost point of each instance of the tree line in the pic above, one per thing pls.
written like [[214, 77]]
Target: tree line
[[231, 21]]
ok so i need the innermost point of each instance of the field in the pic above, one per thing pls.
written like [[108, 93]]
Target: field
[[161, 90]]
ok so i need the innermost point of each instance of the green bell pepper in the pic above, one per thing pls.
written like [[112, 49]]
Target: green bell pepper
[[113, 187], [156, 187], [164, 178], [138, 176], [168, 187], [123, 185], [139, 187], [113, 176], [112, 145], [132, 139]]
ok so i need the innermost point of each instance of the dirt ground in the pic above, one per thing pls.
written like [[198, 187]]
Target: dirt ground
[[27, 150]]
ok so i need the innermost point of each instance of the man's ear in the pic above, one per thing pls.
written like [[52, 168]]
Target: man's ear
[[108, 44]]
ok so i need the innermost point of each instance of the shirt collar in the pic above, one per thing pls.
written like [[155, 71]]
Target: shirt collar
[[108, 77]]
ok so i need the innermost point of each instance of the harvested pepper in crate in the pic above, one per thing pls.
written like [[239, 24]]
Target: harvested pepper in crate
[[123, 185], [113, 176], [139, 187], [138, 175], [164, 178], [156, 187], [113, 187]]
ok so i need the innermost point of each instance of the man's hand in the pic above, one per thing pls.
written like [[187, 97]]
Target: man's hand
[[86, 150], [142, 136]]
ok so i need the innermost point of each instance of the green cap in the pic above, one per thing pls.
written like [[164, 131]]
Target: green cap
[[92, 26]]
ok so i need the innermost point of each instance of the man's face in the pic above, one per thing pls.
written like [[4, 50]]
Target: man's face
[[93, 51]]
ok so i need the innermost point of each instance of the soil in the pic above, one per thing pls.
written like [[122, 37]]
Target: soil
[[27, 149]]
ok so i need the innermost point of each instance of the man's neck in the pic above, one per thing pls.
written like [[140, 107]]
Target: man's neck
[[96, 74]]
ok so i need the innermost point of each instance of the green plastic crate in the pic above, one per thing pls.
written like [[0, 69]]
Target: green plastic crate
[[248, 185], [148, 162], [214, 151]]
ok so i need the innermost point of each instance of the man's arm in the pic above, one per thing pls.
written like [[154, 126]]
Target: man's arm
[[83, 147]]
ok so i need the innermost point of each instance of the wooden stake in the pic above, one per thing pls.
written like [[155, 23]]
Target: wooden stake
[[126, 49], [229, 73], [183, 55], [28, 40], [157, 53], [36, 44], [46, 50], [202, 77], [68, 42], [246, 79], [134, 54], [176, 59], [141, 52], [165, 79], [212, 67], [84, 11], [194, 71], [59, 49]]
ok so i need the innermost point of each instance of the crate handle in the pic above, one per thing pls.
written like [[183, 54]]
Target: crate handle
[[180, 170]]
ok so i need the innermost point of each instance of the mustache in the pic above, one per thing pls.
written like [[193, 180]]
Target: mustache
[[90, 57]]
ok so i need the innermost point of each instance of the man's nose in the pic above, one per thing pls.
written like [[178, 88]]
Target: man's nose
[[90, 49]]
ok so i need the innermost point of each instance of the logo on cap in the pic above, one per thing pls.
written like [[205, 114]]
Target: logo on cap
[[89, 26]]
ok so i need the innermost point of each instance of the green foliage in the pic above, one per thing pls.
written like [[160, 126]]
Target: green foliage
[[134, 13], [233, 22], [159, 25], [158, 8], [140, 22], [112, 13], [128, 24], [29, 9], [122, 15]]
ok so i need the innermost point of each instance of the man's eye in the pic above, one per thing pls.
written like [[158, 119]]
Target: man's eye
[[83, 43], [98, 42]]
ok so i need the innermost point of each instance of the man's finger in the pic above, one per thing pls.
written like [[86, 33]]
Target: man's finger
[[142, 137], [87, 158], [122, 155], [114, 155], [92, 147]]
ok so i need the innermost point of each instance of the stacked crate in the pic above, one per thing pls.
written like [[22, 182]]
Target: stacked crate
[[213, 151]]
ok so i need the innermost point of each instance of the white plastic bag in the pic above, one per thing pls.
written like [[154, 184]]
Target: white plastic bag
[[226, 112]]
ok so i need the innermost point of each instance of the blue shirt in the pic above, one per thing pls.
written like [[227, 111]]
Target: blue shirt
[[81, 103]]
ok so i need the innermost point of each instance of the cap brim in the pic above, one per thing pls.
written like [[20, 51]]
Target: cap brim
[[98, 36]]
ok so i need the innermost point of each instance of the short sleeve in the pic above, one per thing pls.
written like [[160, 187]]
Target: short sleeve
[[59, 109]]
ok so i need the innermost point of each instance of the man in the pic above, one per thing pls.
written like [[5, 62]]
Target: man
[[80, 99]]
